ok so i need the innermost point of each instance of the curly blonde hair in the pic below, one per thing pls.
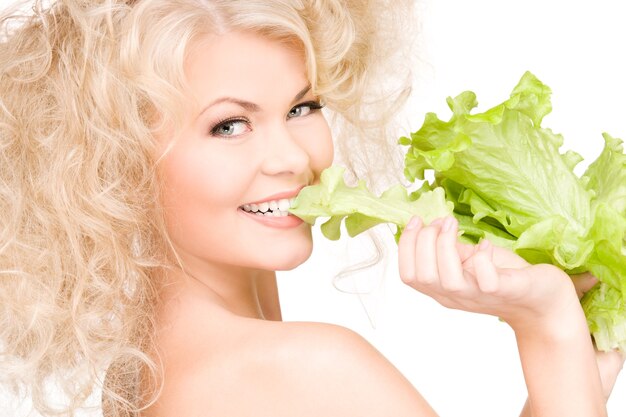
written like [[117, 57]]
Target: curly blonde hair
[[83, 86]]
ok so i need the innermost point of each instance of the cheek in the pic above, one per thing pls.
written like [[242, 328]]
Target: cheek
[[198, 186], [319, 144]]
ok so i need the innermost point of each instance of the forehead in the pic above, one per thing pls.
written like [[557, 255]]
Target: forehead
[[237, 63]]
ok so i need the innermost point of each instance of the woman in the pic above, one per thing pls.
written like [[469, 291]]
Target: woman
[[158, 144]]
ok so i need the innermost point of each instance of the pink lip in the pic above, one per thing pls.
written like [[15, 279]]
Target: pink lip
[[283, 222], [279, 196]]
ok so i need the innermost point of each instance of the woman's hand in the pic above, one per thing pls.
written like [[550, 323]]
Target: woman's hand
[[609, 363], [538, 301], [483, 278]]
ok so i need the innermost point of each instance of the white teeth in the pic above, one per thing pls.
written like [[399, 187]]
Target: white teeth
[[283, 204], [275, 208]]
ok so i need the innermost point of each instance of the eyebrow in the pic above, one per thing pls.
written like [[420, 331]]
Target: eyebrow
[[248, 105]]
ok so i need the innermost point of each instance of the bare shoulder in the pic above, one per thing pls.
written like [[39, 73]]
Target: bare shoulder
[[341, 373], [287, 369]]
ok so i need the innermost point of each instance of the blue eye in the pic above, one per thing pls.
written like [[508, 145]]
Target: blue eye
[[230, 128], [304, 109]]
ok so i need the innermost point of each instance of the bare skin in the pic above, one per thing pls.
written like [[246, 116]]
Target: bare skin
[[609, 363], [255, 133], [279, 368], [539, 302], [257, 136], [301, 368]]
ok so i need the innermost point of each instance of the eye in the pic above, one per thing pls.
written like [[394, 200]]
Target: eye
[[304, 109], [230, 128]]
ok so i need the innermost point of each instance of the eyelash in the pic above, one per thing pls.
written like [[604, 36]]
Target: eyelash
[[312, 105]]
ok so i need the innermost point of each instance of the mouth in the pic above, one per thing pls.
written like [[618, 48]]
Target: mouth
[[270, 208], [275, 205]]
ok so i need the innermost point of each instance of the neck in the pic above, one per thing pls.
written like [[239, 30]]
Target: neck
[[269, 302], [241, 291]]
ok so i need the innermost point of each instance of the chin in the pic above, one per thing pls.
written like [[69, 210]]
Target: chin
[[291, 260]]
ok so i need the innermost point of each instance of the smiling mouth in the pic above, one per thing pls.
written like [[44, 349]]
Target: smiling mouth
[[271, 208]]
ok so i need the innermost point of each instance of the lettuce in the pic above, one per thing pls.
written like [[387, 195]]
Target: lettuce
[[505, 171], [509, 170], [606, 176], [507, 181], [605, 304], [362, 210]]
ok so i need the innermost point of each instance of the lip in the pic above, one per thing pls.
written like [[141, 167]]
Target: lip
[[283, 222], [279, 196]]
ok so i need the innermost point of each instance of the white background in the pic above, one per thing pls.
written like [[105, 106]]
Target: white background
[[466, 364]]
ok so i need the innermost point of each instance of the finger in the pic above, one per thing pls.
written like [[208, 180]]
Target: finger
[[467, 259], [426, 269], [609, 364], [506, 258], [448, 260], [583, 283], [406, 250], [465, 250], [484, 269]]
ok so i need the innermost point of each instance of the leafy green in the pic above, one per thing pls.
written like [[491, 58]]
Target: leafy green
[[606, 176], [510, 171], [361, 209], [506, 180], [504, 171]]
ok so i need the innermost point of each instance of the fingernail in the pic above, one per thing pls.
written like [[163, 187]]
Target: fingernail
[[447, 224], [413, 223], [483, 245]]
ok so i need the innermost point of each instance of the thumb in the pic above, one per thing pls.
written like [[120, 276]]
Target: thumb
[[583, 282]]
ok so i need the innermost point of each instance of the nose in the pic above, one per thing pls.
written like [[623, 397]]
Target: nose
[[284, 154]]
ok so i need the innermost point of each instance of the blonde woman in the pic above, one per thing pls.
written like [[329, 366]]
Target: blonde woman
[[140, 141]]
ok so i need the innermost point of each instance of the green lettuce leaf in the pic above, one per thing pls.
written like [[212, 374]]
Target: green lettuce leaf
[[506, 173], [511, 171], [506, 180], [473, 229], [605, 310], [360, 209], [606, 176]]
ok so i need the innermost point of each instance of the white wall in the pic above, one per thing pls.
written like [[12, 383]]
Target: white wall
[[465, 364]]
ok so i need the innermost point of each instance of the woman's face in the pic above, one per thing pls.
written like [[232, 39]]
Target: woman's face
[[253, 138]]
